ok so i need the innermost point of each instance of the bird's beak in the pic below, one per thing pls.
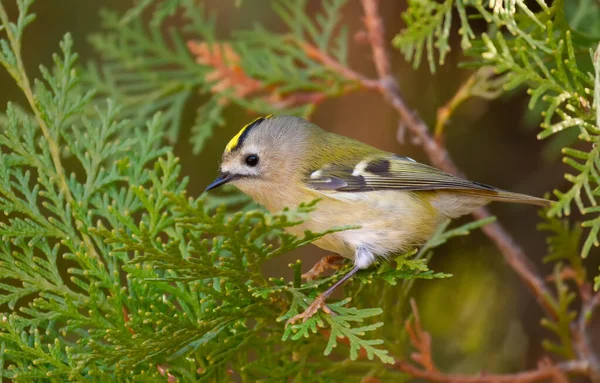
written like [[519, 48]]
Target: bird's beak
[[222, 179]]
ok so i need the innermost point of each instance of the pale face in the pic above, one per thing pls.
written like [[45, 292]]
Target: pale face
[[247, 162], [263, 155], [247, 168]]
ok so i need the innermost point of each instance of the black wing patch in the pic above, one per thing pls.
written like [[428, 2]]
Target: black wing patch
[[393, 172]]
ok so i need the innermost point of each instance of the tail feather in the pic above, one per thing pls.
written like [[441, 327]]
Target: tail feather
[[505, 196], [510, 197]]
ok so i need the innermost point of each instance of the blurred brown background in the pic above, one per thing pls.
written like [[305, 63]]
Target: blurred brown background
[[481, 319]]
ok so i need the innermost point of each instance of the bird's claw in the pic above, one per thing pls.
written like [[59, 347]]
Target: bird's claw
[[318, 304]]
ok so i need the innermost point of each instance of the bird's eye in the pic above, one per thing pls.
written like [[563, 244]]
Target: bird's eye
[[252, 160]]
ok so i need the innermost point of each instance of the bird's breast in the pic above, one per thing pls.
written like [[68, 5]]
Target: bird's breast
[[389, 221]]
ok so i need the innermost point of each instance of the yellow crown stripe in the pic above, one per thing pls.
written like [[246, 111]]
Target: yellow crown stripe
[[236, 139]]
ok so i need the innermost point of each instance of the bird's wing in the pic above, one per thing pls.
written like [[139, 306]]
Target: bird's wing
[[389, 172]]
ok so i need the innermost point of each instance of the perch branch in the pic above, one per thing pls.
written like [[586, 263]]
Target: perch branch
[[440, 157], [481, 83], [315, 53], [426, 369], [581, 340], [423, 366], [513, 254], [555, 372]]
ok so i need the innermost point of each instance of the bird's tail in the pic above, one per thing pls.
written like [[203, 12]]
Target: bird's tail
[[460, 202], [506, 196]]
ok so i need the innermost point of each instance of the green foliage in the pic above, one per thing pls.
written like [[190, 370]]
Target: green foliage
[[144, 71], [147, 72], [428, 25], [564, 243], [427, 28], [545, 51], [109, 271], [561, 325]]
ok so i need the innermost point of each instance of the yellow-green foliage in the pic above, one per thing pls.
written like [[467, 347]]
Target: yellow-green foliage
[[109, 270], [547, 50]]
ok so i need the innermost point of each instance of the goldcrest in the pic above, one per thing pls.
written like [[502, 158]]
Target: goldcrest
[[397, 202]]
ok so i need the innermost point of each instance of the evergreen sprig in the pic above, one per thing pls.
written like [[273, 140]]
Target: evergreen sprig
[[256, 69], [145, 71], [537, 50], [564, 243], [427, 28], [110, 271]]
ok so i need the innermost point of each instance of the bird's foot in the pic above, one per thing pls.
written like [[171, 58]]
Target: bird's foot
[[328, 262], [318, 304]]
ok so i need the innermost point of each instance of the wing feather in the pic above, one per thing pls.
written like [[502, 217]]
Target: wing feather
[[392, 172]]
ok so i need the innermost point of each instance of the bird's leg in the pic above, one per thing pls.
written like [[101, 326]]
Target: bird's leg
[[327, 262], [319, 302]]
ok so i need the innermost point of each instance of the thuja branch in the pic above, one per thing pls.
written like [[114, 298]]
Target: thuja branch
[[424, 367], [440, 157], [581, 340], [480, 83], [514, 255], [435, 150], [544, 372], [22, 80]]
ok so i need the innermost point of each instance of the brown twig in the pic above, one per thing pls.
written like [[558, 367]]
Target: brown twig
[[481, 83], [426, 369], [227, 74], [315, 53], [376, 37], [421, 341], [440, 157], [555, 372], [581, 341]]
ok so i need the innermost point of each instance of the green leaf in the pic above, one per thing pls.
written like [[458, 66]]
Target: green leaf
[[427, 27]]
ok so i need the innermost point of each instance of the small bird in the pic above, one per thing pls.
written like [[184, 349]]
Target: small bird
[[397, 202]]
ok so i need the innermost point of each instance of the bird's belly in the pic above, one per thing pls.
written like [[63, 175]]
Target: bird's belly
[[390, 221]]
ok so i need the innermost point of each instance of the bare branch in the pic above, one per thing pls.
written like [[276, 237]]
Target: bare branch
[[440, 157], [554, 372], [421, 340], [581, 340], [480, 83]]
